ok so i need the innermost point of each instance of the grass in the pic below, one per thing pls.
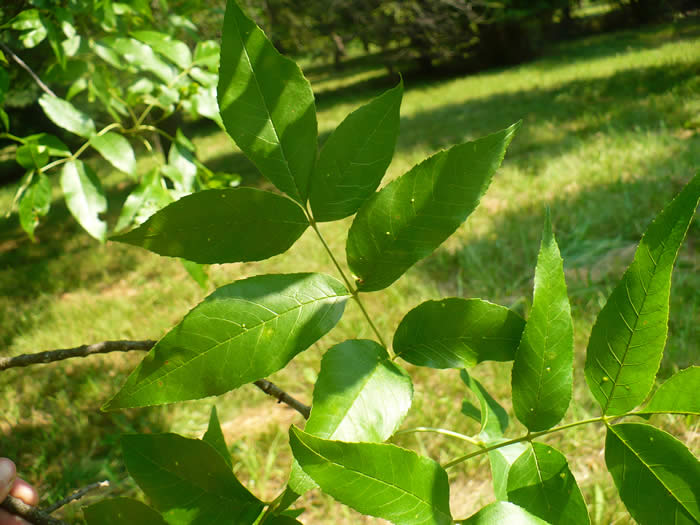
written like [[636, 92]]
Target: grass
[[611, 132]]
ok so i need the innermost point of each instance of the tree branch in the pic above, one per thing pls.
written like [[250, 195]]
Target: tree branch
[[24, 66], [76, 495], [32, 514], [126, 346]]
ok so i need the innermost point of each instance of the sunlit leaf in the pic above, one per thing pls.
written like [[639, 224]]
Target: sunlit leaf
[[143, 57], [32, 156], [85, 197], [35, 202], [543, 368], [116, 150], [65, 115], [219, 226], [680, 394], [657, 477], [242, 332], [503, 513], [628, 338], [377, 479], [146, 199], [267, 105], [410, 217], [174, 50], [458, 333], [55, 146]]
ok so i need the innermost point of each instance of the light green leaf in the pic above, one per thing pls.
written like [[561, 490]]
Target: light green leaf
[[146, 199], [657, 477], [66, 116], [32, 26], [32, 156], [206, 53], [377, 479], [355, 157], [174, 50], [183, 170], [503, 513], [142, 56], [5, 119], [409, 218], [122, 511], [35, 202], [628, 338], [267, 105], [85, 197], [205, 78], [242, 332], [116, 150], [187, 480], [679, 394], [543, 368], [54, 145], [215, 437], [198, 272], [360, 395], [540, 482], [458, 333], [105, 52], [205, 104], [220, 226]]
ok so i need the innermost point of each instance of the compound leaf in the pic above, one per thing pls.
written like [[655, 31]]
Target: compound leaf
[[410, 217], [187, 480], [657, 477], [628, 338], [543, 368], [679, 394], [381, 480], [66, 116], [122, 511], [267, 105], [85, 197], [458, 333], [540, 481], [503, 513], [222, 226], [240, 333], [116, 150], [355, 157]]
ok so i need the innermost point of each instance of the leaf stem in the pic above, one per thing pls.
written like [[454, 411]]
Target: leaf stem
[[80, 150], [527, 437], [353, 291], [443, 431]]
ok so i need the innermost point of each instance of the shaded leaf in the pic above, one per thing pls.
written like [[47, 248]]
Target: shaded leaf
[[146, 199], [540, 482], [66, 116], [657, 477], [187, 480], [54, 145], [85, 197], [629, 335], [381, 480], [355, 157], [458, 333], [679, 394], [35, 202], [360, 395], [409, 218], [267, 105], [543, 368], [215, 437], [219, 226], [116, 150], [242, 332], [503, 513], [32, 156], [122, 511]]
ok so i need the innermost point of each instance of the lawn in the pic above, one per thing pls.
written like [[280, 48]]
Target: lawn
[[611, 131]]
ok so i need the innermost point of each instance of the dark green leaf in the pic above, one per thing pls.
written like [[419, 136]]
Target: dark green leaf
[[85, 197], [54, 145], [35, 202], [215, 437], [116, 150], [174, 50], [5, 119], [282, 520], [657, 477], [501, 460], [242, 332], [198, 272], [628, 338], [540, 481], [377, 479], [458, 333], [122, 511], [187, 480], [220, 226], [543, 368], [32, 156], [503, 513], [267, 105], [679, 394], [353, 160], [146, 199], [66, 116], [409, 218], [360, 395]]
